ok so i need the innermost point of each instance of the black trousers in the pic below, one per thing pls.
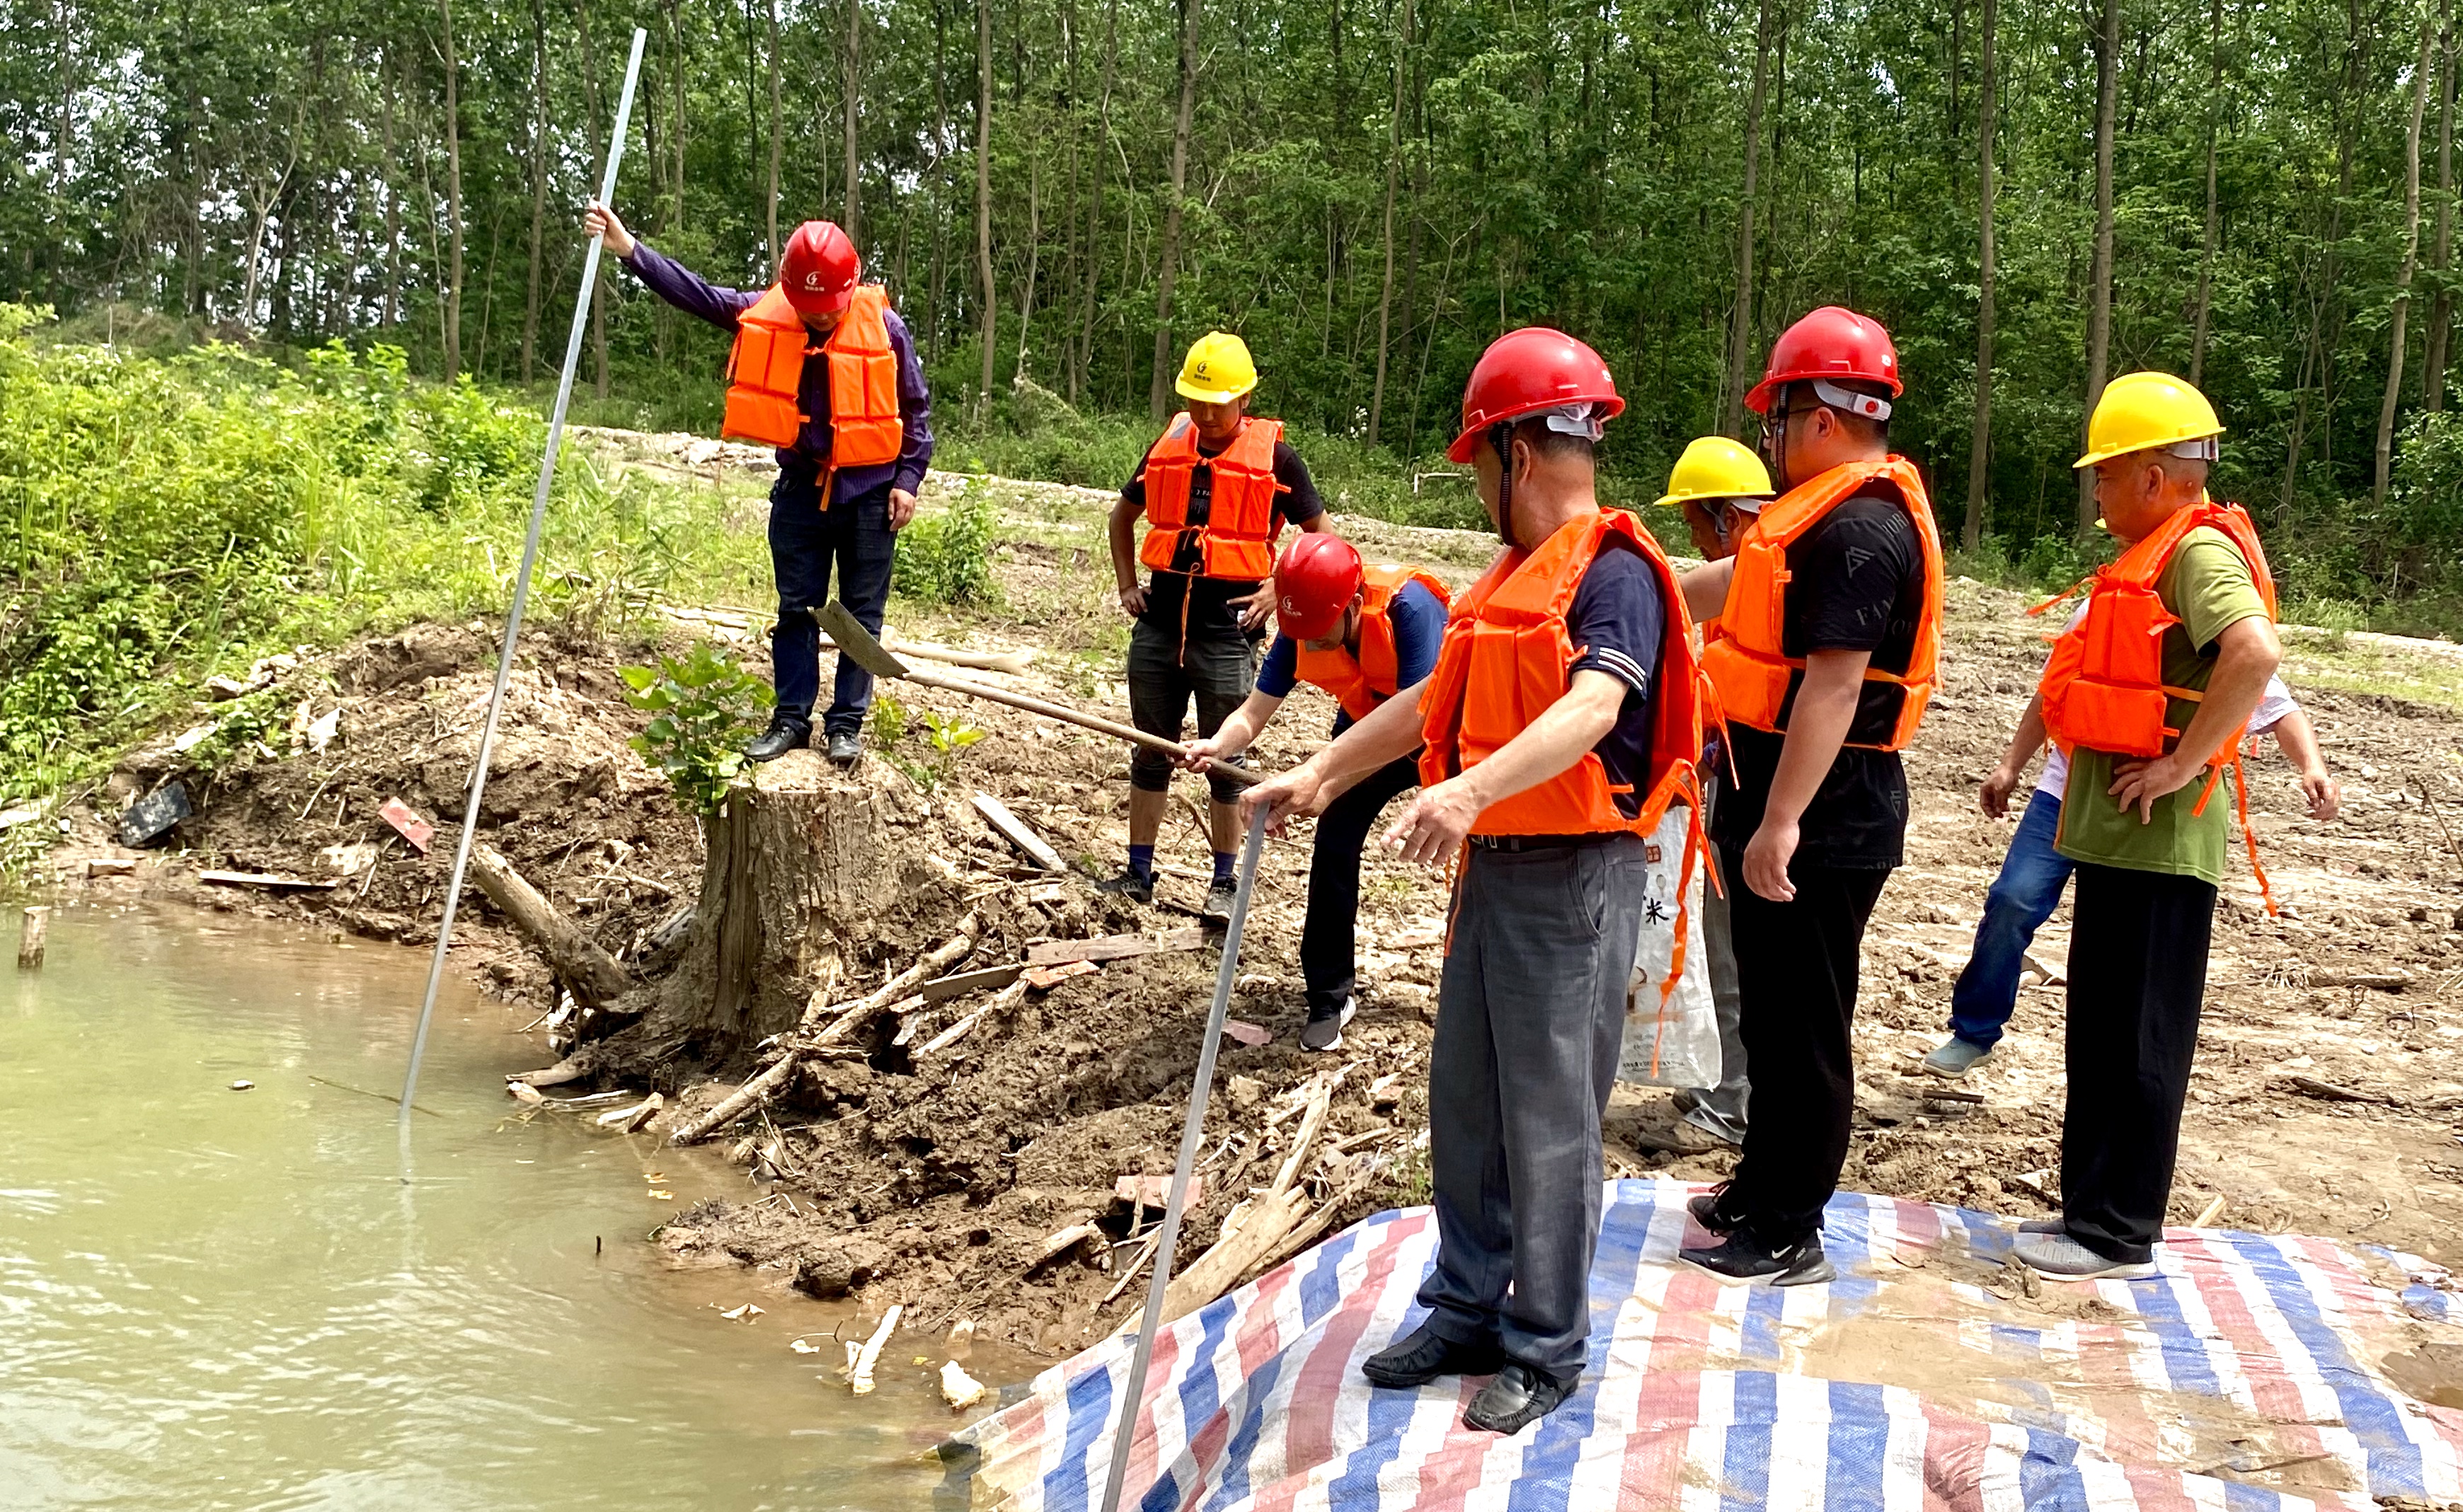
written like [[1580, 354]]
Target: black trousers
[[806, 541], [1327, 963], [2138, 979], [1168, 671], [1796, 979]]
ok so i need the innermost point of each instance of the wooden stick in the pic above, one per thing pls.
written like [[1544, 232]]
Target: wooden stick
[[847, 1024], [1112, 947], [1083, 721], [594, 974], [1061, 1243], [1007, 997], [30, 942], [2207, 1213], [746, 1097], [1014, 829], [942, 957], [859, 1371]]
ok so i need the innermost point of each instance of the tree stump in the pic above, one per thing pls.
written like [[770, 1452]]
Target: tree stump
[[801, 869]]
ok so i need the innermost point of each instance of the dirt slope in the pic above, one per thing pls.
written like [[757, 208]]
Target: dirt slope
[[936, 1184]]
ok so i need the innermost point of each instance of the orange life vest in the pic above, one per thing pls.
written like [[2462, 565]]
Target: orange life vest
[[1508, 655], [2104, 687], [1744, 648], [1238, 541], [1362, 683], [767, 367]]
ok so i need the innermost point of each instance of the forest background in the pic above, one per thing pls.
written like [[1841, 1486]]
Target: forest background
[[2032, 194]]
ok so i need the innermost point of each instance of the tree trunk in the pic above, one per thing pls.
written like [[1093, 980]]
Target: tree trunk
[[1080, 375], [777, 145], [591, 99], [2214, 208], [452, 195], [1393, 173], [2395, 334], [676, 143], [2099, 315], [2441, 309], [854, 94], [1979, 489], [1158, 385], [538, 189], [392, 198], [1740, 330], [1034, 257], [991, 312], [801, 867], [593, 976]]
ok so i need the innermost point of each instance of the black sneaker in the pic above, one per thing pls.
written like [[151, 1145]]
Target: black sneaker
[[845, 749], [1423, 1355], [1220, 895], [1711, 1210], [1138, 887], [786, 733], [1324, 1031], [1519, 1398], [1740, 1257]]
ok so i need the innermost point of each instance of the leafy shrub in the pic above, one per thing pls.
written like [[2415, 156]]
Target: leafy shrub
[[946, 558], [706, 707]]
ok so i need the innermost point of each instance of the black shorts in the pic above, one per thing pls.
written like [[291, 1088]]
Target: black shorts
[[1167, 673]]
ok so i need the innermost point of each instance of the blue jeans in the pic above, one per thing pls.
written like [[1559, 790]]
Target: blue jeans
[[805, 541], [2022, 897]]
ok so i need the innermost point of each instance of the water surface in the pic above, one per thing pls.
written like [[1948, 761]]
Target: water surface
[[214, 1299]]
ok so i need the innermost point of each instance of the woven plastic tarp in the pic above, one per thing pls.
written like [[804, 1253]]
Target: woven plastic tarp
[[2249, 1375]]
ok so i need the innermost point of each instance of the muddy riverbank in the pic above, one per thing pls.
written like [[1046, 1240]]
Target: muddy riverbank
[[940, 1180]]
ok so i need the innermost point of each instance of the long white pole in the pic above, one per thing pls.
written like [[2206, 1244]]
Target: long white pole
[[1192, 1134], [521, 590]]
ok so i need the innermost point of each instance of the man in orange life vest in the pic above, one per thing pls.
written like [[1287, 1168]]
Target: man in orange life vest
[[824, 370], [1559, 721], [2149, 694], [1214, 490], [1360, 634], [1823, 653]]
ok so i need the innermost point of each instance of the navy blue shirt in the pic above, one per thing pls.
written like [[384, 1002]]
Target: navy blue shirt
[[1419, 621], [1617, 622]]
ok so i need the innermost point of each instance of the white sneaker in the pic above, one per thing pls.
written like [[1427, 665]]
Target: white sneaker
[[2058, 1256], [1324, 1031]]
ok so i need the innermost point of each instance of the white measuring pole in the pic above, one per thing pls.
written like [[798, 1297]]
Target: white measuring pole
[[1192, 1134], [521, 589]]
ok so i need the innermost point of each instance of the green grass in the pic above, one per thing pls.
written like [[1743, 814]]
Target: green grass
[[167, 517]]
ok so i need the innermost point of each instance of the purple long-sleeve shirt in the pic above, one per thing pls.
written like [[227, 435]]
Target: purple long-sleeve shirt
[[695, 295]]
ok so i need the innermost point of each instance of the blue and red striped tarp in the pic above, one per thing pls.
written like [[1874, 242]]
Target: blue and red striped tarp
[[2247, 1376]]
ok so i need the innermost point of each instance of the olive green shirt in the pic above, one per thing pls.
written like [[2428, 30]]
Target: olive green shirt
[[2210, 587]]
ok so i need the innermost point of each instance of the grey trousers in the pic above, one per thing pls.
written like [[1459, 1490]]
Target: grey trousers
[[1530, 1017]]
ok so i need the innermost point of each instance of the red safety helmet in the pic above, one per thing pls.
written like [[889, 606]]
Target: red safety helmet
[[1314, 584], [820, 268], [1829, 343], [1524, 372]]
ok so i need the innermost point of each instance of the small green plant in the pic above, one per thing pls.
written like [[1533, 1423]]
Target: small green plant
[[889, 722], [704, 708], [946, 558], [950, 734]]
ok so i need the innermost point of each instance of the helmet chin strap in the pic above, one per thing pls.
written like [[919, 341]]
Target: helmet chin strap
[[1501, 436]]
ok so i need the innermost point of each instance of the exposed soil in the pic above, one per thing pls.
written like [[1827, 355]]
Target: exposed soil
[[935, 1185]]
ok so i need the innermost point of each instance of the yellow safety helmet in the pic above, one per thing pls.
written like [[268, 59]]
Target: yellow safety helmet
[[1218, 371], [1715, 468], [2146, 411]]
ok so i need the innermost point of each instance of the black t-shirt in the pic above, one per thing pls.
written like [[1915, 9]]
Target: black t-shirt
[[1856, 584], [1617, 622], [1210, 613]]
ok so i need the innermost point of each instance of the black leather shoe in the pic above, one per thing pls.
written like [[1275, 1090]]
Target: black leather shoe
[[786, 733], [1423, 1355], [845, 749], [1519, 1398]]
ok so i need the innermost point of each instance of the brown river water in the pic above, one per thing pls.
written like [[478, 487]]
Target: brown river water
[[213, 1298]]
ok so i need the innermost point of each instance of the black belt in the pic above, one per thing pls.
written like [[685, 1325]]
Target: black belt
[[1542, 842]]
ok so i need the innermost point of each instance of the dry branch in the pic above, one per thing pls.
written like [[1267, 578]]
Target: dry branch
[[592, 973], [1014, 829], [745, 1098], [941, 959]]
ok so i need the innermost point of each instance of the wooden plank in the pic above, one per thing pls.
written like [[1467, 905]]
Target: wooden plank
[[1112, 947], [941, 989], [266, 881], [1043, 979], [1014, 829]]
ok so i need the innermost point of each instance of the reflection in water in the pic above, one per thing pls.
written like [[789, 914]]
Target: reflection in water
[[214, 1299]]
